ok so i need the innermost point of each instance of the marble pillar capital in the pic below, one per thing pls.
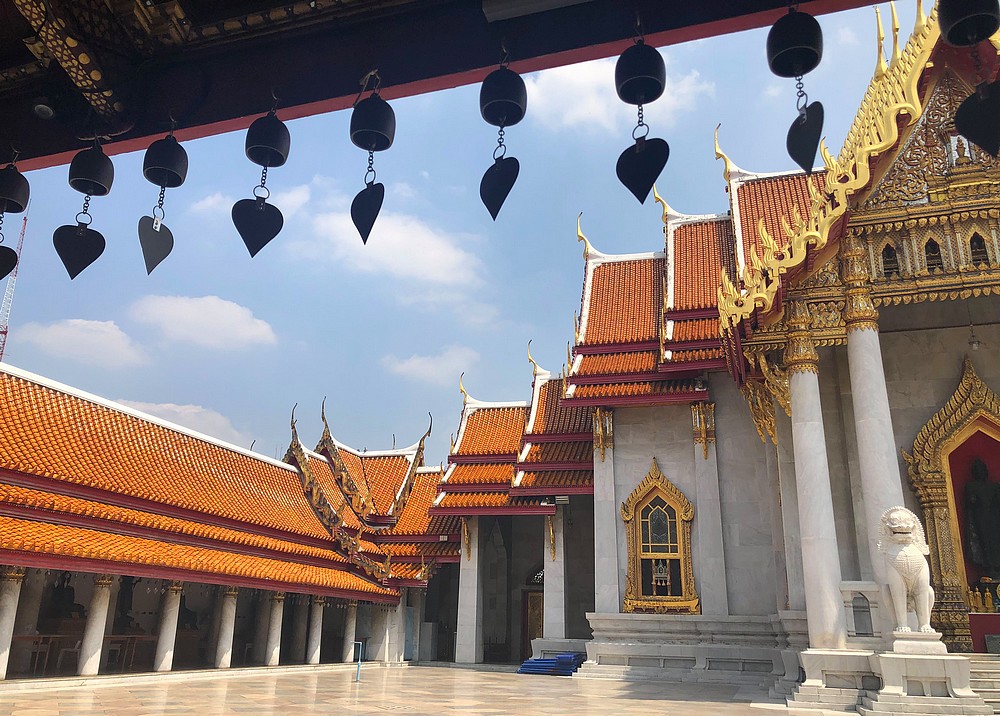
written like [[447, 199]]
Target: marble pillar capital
[[175, 587], [278, 597], [103, 581], [318, 601], [800, 351], [231, 592], [859, 309], [12, 574]]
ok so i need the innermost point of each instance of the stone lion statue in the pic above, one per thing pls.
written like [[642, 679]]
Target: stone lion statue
[[904, 546]]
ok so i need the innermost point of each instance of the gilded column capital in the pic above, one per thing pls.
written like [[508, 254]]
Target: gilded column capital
[[319, 601], [278, 597], [231, 592], [800, 351], [859, 310], [176, 587], [12, 574], [103, 581]]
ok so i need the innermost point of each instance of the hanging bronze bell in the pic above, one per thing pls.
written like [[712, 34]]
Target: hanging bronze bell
[[91, 172], [794, 45], [14, 190], [968, 22], [503, 98], [640, 74], [268, 141], [373, 124], [165, 163]]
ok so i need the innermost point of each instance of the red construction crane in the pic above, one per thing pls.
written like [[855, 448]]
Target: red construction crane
[[8, 294]]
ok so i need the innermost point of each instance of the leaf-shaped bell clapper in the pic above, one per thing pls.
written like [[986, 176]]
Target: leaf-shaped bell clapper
[[373, 124], [91, 172], [968, 22], [14, 190], [794, 45], [165, 163], [503, 98], [268, 141], [640, 74]]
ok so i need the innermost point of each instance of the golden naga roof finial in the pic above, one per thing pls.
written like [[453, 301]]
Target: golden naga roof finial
[[921, 20], [880, 66], [895, 34], [659, 200], [587, 248], [719, 154], [461, 388], [569, 355], [534, 364], [576, 328], [327, 437], [295, 434], [429, 427]]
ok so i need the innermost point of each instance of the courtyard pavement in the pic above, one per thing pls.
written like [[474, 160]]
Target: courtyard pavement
[[411, 690]]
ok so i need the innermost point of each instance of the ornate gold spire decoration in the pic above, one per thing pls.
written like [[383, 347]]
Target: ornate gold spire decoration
[[895, 34], [587, 248], [880, 66], [534, 365], [666, 209], [461, 388], [719, 154]]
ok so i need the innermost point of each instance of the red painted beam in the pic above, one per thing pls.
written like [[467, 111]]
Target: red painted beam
[[511, 510]]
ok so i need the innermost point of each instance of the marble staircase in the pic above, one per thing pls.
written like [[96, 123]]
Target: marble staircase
[[985, 678]]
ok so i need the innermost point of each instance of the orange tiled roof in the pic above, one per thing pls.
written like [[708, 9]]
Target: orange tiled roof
[[619, 390], [557, 478], [560, 452], [698, 249], [382, 474], [492, 430], [618, 363], [474, 499], [772, 198], [65, 541], [698, 329], [491, 473], [414, 519], [47, 502], [74, 440], [420, 549], [625, 301], [444, 525], [552, 417]]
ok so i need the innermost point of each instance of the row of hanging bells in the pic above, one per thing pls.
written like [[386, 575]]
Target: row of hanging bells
[[14, 195]]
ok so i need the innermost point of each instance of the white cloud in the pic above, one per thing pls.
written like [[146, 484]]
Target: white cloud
[[402, 190], [441, 369], [194, 417], [583, 96], [292, 200], [847, 36], [400, 245], [772, 91], [100, 343], [207, 321], [217, 204]]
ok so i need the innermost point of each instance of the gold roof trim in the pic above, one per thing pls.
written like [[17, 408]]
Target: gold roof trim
[[875, 130]]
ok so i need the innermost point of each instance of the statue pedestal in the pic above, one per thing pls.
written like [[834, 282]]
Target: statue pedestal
[[920, 677]]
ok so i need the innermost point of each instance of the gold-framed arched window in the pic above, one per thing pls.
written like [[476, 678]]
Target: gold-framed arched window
[[658, 520]]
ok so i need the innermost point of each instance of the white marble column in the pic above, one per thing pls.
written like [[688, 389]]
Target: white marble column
[[709, 553], [789, 513], [419, 599], [350, 631], [469, 632], [272, 652], [163, 660], [315, 641], [607, 589], [378, 642], [227, 627], [396, 632], [300, 629], [10, 591], [92, 644], [262, 617], [818, 533], [554, 585]]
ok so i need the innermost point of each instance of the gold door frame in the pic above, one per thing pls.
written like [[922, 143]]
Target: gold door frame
[[972, 408], [635, 600]]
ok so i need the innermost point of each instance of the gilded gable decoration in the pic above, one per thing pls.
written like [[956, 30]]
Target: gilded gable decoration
[[972, 404], [660, 576], [356, 493], [703, 425]]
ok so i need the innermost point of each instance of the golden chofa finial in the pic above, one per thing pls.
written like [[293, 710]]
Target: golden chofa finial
[[576, 328], [534, 365], [895, 33], [295, 434], [461, 388], [719, 154], [659, 200], [921, 20], [587, 248], [880, 66]]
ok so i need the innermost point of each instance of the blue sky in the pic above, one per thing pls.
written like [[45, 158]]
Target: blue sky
[[226, 344]]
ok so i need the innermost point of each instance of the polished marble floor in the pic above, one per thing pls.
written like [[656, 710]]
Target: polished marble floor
[[413, 690]]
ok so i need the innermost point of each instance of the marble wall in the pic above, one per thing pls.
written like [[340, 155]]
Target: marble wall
[[579, 566]]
